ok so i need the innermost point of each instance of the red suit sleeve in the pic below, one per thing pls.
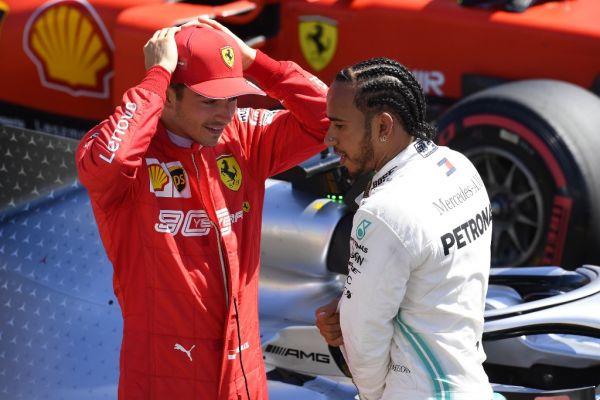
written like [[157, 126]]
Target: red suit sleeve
[[110, 154], [277, 140]]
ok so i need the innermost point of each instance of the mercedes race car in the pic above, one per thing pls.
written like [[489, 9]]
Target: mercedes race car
[[66, 64], [61, 327]]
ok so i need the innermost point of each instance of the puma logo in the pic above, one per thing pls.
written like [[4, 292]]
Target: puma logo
[[181, 348]]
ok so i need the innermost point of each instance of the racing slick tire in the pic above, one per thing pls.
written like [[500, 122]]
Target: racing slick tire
[[536, 145]]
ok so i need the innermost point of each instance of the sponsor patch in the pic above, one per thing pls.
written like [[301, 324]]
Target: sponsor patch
[[230, 172], [178, 177], [232, 354], [168, 179], [467, 232], [361, 229], [444, 162], [460, 196], [243, 114], [195, 222], [425, 147], [384, 178]]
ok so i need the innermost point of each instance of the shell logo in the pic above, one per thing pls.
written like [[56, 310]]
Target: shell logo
[[3, 11], [158, 177], [71, 48]]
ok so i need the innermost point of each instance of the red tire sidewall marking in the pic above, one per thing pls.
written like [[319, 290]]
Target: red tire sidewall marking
[[561, 205]]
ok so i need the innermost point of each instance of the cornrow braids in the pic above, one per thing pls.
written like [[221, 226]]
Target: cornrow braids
[[385, 84]]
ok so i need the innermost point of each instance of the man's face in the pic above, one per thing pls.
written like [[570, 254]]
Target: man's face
[[200, 118], [347, 133]]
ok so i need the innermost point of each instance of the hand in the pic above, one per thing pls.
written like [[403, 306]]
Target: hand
[[248, 53], [161, 49], [328, 322]]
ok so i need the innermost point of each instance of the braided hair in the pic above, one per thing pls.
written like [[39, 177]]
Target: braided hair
[[385, 84]]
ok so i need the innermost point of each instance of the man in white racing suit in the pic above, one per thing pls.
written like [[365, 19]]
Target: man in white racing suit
[[411, 313]]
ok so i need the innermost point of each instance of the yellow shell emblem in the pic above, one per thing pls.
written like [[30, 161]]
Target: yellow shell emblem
[[3, 11], [230, 172], [71, 48], [228, 56], [318, 40], [158, 177]]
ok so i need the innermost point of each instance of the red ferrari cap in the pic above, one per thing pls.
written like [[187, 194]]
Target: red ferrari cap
[[210, 63]]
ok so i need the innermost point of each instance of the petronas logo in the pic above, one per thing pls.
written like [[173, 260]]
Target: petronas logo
[[361, 229]]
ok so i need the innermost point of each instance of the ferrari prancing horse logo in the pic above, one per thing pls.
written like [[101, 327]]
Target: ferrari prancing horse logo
[[228, 56], [318, 40], [230, 172]]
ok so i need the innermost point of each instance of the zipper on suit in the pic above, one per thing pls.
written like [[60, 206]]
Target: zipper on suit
[[218, 233]]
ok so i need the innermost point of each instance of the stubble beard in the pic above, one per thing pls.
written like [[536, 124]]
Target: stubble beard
[[366, 156]]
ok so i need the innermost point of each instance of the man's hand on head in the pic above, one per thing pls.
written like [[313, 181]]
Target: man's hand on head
[[328, 322], [161, 49]]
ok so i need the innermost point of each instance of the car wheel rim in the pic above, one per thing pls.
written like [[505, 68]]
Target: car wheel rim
[[516, 201]]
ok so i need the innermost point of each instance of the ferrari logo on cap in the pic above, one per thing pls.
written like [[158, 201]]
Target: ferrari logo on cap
[[318, 40], [228, 56], [230, 172]]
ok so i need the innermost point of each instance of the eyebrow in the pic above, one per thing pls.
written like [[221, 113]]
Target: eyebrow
[[336, 119]]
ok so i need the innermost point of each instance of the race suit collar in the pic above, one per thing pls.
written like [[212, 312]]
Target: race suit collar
[[422, 148], [179, 141]]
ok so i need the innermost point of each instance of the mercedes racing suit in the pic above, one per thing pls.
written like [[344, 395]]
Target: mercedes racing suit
[[181, 225], [412, 308]]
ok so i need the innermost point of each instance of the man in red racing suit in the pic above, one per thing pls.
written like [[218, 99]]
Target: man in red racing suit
[[176, 181]]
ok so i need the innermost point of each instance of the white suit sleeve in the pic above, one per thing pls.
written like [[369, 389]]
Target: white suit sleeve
[[378, 270]]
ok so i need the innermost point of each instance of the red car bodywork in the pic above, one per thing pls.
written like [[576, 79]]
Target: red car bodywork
[[75, 58]]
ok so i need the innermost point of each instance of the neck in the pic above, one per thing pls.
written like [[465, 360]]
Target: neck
[[393, 151]]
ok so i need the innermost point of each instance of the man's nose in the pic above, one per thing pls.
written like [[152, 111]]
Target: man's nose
[[225, 109], [329, 139]]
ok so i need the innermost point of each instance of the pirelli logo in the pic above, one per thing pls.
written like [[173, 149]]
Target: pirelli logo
[[299, 354]]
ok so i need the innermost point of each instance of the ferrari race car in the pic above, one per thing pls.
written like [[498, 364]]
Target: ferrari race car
[[61, 327], [67, 62]]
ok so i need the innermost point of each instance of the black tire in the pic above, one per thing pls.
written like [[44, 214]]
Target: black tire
[[536, 145]]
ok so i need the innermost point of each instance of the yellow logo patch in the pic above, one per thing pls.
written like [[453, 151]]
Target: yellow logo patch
[[158, 178], [228, 56], [178, 176], [246, 206], [318, 40], [3, 11], [70, 48], [230, 172], [168, 179]]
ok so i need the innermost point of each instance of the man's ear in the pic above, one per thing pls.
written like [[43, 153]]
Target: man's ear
[[171, 98], [384, 127]]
